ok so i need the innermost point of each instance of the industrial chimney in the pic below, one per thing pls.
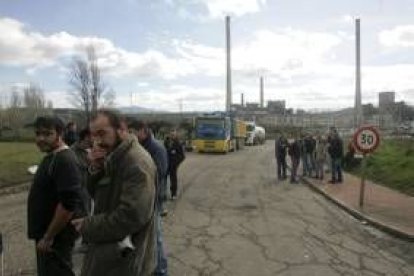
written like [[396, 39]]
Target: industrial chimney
[[228, 65], [358, 114]]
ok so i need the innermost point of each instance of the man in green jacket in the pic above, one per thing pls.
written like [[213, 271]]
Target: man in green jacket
[[121, 231]]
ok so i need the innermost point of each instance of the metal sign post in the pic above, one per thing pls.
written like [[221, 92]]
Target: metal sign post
[[366, 140], [1, 254], [362, 187]]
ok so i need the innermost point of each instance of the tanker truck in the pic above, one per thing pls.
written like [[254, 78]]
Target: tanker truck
[[255, 134]]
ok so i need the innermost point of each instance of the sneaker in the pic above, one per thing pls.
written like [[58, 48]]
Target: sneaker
[[332, 181], [174, 197]]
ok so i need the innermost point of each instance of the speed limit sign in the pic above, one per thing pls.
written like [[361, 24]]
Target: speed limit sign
[[366, 139]]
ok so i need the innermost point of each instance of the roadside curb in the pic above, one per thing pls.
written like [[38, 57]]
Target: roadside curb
[[394, 231], [14, 189]]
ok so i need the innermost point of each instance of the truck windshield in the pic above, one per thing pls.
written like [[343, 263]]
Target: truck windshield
[[250, 127], [210, 129]]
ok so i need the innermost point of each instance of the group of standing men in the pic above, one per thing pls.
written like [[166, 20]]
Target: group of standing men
[[109, 187], [314, 153]]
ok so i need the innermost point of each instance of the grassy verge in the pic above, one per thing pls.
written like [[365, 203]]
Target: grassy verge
[[15, 158], [392, 165]]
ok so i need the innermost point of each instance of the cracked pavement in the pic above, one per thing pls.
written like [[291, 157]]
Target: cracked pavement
[[233, 218]]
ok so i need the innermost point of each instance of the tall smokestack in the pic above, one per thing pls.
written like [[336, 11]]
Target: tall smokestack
[[242, 99], [358, 115], [261, 93], [228, 56]]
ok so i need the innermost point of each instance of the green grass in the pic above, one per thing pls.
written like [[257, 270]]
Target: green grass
[[392, 165], [15, 158]]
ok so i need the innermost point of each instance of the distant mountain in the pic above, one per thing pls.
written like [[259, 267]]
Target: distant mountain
[[137, 110]]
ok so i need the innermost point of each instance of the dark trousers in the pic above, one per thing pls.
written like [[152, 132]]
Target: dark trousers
[[294, 171], [281, 167], [336, 170], [57, 262], [172, 172]]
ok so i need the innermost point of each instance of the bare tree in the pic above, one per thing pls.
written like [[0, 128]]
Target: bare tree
[[89, 92], [34, 101], [14, 113], [2, 112], [49, 106]]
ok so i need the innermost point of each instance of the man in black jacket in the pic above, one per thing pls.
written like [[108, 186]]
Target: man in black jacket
[[71, 135], [175, 157], [336, 153], [294, 153], [81, 148], [54, 198], [281, 145]]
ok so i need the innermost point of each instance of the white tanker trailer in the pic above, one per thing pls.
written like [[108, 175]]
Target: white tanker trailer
[[255, 134]]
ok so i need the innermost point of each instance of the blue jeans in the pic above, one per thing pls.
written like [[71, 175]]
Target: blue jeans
[[162, 264], [336, 170], [310, 163]]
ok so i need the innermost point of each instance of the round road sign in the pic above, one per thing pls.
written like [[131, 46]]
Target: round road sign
[[366, 139]]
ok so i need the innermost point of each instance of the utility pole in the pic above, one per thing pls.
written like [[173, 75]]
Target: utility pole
[[132, 100], [261, 92], [358, 113], [242, 100], [180, 106], [228, 65]]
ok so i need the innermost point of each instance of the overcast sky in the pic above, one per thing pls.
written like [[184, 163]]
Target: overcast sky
[[167, 50]]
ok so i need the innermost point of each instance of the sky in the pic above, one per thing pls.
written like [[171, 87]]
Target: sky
[[163, 54]]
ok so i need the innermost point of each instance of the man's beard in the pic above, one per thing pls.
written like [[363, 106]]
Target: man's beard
[[110, 148], [49, 147]]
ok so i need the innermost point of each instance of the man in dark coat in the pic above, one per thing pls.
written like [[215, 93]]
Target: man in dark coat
[[336, 152], [159, 155], [54, 199], [81, 148], [121, 231], [71, 135], [176, 156], [281, 145], [309, 144], [294, 153]]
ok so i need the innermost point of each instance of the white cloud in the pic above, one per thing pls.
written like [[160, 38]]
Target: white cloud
[[170, 97], [347, 18], [298, 65], [22, 47], [400, 36], [285, 51], [220, 8], [204, 10]]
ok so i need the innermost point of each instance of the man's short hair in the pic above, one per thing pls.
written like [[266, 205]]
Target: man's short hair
[[138, 125], [116, 120], [84, 133], [50, 122]]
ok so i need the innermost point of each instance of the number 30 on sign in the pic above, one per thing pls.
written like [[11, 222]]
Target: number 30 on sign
[[366, 139]]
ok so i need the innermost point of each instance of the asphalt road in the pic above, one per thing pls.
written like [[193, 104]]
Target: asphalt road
[[233, 218]]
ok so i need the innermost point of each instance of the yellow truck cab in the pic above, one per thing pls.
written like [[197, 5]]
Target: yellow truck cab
[[218, 132]]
